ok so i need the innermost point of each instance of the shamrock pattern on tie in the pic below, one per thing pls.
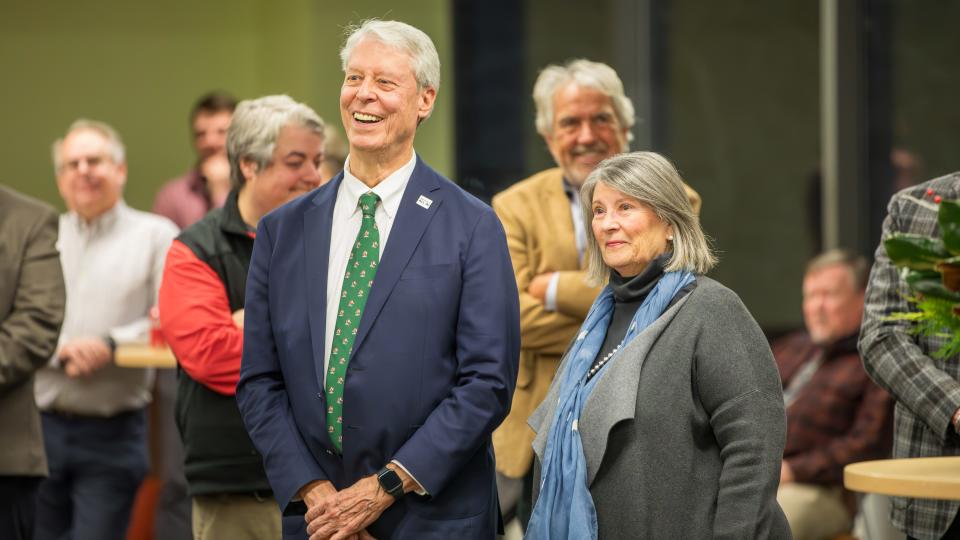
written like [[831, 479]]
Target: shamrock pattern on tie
[[357, 280]]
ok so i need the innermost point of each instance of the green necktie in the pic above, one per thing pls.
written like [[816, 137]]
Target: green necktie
[[357, 280]]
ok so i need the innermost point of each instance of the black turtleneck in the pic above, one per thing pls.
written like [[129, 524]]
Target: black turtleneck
[[628, 294]]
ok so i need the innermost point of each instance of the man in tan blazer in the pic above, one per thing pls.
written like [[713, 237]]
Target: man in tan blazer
[[31, 310], [584, 117]]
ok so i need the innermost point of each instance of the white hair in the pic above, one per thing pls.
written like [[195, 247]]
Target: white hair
[[405, 38], [118, 152], [255, 126], [585, 74]]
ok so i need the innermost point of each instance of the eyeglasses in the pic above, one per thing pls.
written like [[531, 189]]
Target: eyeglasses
[[92, 162]]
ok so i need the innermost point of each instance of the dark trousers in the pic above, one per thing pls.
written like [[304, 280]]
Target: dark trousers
[[525, 505], [172, 520], [96, 466], [17, 506]]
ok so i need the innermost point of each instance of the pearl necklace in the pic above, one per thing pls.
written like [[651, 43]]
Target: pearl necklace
[[593, 371]]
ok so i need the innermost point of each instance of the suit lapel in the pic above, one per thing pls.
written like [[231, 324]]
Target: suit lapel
[[408, 227], [317, 226], [557, 206]]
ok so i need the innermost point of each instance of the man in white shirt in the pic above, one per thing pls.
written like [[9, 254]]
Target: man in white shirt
[[94, 421], [381, 330]]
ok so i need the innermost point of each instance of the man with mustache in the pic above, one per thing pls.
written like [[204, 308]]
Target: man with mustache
[[584, 117]]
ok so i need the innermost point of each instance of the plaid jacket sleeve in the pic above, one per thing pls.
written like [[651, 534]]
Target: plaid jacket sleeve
[[926, 389], [893, 357]]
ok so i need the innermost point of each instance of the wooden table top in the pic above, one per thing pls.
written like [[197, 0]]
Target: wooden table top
[[141, 355], [925, 478]]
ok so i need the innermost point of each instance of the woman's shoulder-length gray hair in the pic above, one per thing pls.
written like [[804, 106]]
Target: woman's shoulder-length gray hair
[[255, 126], [654, 181]]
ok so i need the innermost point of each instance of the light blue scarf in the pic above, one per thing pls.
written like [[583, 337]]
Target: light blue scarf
[[565, 508]]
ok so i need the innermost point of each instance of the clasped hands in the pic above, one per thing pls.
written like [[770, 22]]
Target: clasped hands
[[346, 514]]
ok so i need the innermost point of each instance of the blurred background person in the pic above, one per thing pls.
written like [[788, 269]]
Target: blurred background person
[[584, 118], [32, 300], [275, 147], [926, 389], [186, 199], [670, 383], [835, 414], [334, 154], [94, 420]]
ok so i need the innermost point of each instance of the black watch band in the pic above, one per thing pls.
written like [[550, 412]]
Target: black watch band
[[390, 482]]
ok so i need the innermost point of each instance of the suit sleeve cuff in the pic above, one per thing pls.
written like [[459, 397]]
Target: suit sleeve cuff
[[550, 302], [419, 490]]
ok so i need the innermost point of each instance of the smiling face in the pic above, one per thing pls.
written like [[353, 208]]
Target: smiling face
[[293, 169], [585, 131], [629, 233], [380, 105], [87, 177], [832, 304]]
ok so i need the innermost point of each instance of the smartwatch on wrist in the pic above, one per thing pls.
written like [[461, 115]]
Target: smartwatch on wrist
[[390, 482]]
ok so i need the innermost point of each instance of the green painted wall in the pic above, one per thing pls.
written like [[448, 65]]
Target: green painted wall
[[139, 66], [743, 128], [926, 76]]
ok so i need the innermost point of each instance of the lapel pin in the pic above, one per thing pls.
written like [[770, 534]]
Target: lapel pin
[[424, 201]]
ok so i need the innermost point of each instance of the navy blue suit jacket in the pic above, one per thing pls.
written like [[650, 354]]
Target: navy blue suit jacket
[[432, 371]]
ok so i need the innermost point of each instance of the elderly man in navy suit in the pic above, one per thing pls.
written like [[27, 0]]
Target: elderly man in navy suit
[[382, 325]]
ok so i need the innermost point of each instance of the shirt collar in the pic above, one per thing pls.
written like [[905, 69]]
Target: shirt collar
[[196, 182], [572, 193], [100, 223], [390, 190]]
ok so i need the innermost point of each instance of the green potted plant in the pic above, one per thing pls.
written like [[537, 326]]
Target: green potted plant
[[931, 268]]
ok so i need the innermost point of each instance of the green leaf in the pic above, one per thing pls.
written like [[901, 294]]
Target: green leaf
[[915, 251], [949, 218], [934, 288], [914, 276], [934, 317]]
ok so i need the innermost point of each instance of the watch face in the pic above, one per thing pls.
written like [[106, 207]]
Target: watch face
[[390, 481]]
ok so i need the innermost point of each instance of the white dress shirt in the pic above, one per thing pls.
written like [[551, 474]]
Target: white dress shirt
[[347, 219], [111, 268], [579, 233]]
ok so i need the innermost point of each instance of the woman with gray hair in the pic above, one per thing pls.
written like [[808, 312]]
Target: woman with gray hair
[[666, 416]]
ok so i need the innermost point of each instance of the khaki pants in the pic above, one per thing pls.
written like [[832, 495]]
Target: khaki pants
[[235, 517], [814, 512]]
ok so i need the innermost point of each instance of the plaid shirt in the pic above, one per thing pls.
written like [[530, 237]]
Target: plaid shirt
[[926, 390], [838, 417]]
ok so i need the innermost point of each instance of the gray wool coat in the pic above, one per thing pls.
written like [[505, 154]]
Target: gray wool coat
[[684, 433]]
